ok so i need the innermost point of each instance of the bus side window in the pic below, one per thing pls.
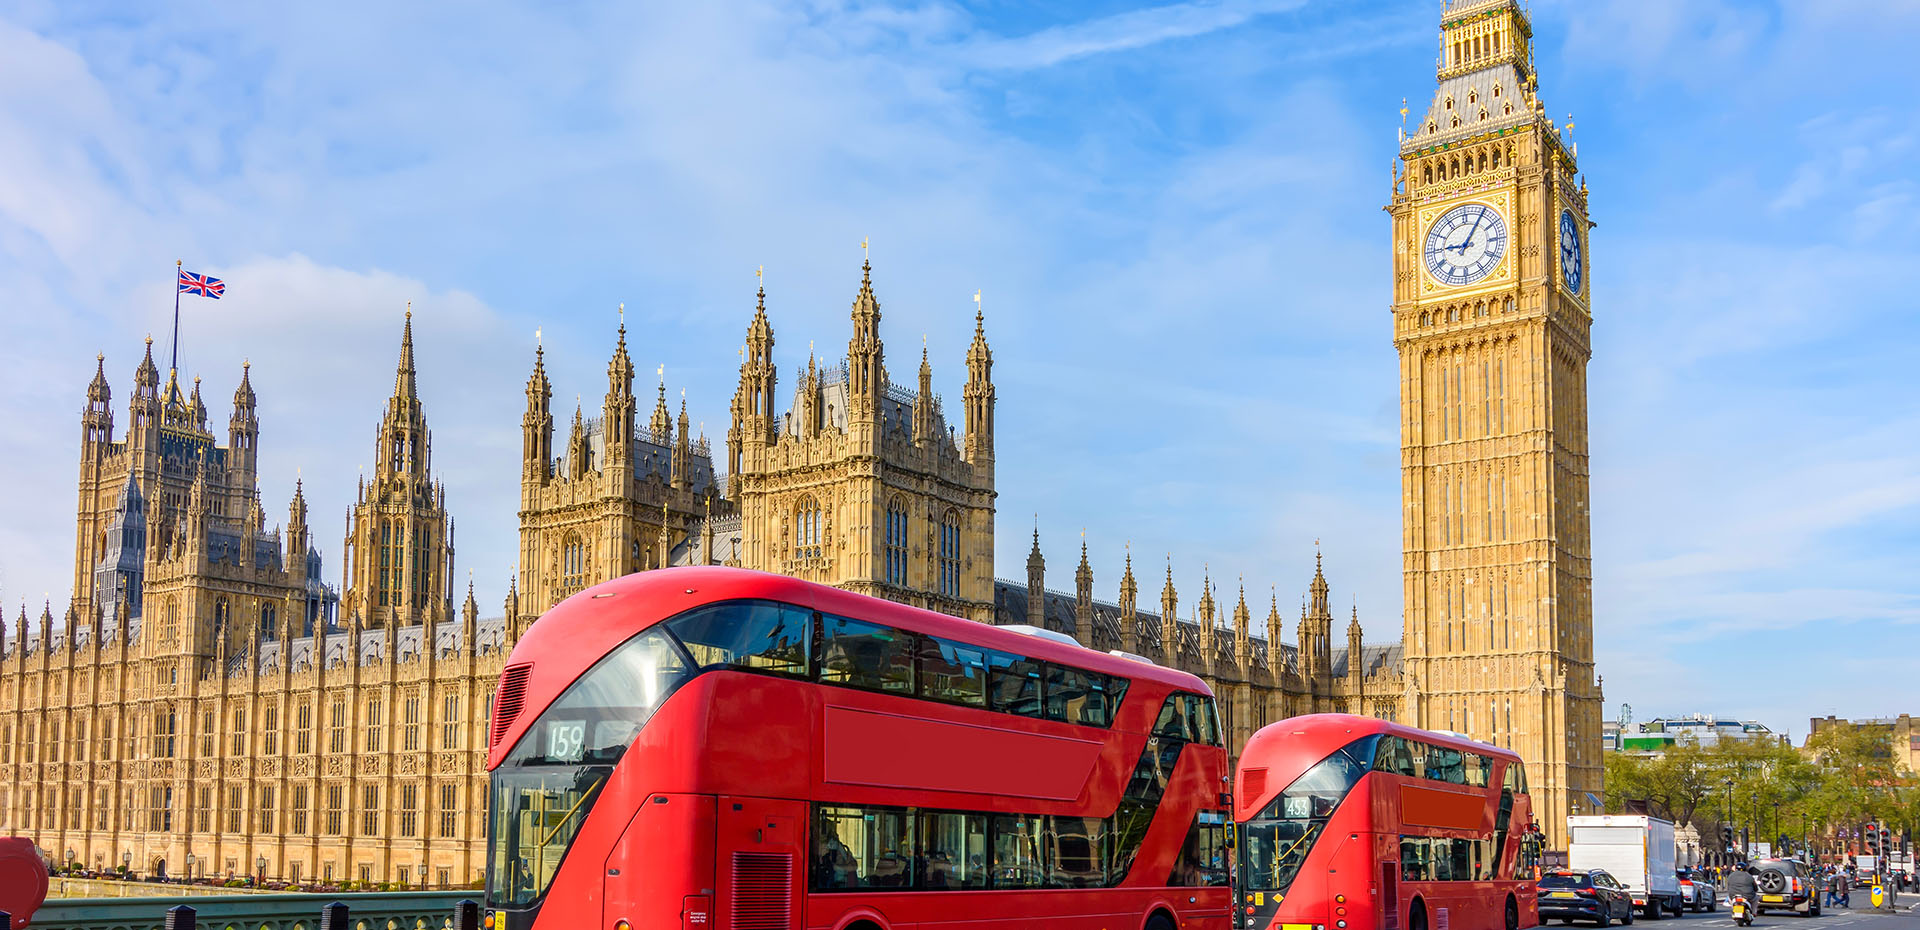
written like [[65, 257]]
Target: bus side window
[[953, 672], [1015, 684], [1414, 860], [1395, 757], [1077, 856], [857, 847], [956, 851], [1203, 857], [1068, 691], [759, 635], [1018, 841], [866, 655], [1476, 769], [1172, 722]]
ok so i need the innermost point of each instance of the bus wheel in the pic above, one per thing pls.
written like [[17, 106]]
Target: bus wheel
[[1160, 921], [1513, 914], [1417, 916]]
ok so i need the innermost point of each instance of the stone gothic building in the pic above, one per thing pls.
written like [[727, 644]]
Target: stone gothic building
[[208, 705], [1491, 321], [861, 483], [1257, 678]]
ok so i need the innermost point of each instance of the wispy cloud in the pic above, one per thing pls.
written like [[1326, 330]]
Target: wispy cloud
[[1118, 33]]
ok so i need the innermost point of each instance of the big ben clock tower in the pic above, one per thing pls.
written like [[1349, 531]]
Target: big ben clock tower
[[1492, 324]]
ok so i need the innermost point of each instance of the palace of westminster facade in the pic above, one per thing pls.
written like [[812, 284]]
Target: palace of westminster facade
[[207, 704]]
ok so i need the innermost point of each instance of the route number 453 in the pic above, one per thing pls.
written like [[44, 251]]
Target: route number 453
[[566, 740]]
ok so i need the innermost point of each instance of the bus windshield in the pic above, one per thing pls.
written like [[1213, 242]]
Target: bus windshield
[[1280, 836], [545, 787]]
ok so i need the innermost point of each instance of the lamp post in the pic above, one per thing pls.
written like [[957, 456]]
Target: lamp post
[[1728, 853], [190, 862], [261, 864]]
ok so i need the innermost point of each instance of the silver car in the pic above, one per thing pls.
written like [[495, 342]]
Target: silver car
[[1696, 892]]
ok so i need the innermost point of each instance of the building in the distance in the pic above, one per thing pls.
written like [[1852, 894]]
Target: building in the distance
[[207, 706], [1656, 736], [1903, 740]]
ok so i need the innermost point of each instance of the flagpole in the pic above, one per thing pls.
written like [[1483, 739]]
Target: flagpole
[[175, 365]]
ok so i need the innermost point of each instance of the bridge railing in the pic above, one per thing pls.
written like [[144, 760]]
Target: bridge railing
[[397, 910]]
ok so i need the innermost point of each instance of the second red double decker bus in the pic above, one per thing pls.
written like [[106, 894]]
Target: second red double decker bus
[[1352, 823], [718, 749]]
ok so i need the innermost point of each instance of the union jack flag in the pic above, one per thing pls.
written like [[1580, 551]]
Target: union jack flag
[[202, 285]]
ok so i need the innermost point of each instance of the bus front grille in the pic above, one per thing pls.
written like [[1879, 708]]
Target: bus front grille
[[762, 891]]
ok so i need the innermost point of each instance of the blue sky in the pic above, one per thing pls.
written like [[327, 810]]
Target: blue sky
[[1173, 212]]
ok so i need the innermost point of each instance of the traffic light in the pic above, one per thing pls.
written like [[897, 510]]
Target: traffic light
[[1726, 835], [1886, 842], [1873, 842]]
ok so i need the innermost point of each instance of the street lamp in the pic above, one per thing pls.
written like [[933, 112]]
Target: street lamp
[[261, 864], [190, 862], [1727, 854]]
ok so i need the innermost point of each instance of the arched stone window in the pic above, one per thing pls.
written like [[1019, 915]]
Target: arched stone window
[[806, 528], [950, 554], [897, 542], [573, 563], [268, 629]]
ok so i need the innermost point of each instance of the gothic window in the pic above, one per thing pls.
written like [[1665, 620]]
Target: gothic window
[[394, 457], [897, 542], [303, 728], [573, 563], [164, 725], [372, 743], [270, 729], [1473, 96], [422, 564], [1455, 124], [206, 732], [267, 630], [1426, 319], [450, 723], [337, 727], [410, 727], [336, 796], [806, 529], [386, 560], [950, 555], [238, 742], [449, 811], [221, 614], [370, 811], [1496, 87], [409, 809]]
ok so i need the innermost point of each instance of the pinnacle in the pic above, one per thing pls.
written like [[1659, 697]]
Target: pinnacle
[[403, 376]]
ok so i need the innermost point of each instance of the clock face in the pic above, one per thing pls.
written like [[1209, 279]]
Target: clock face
[[1570, 259], [1465, 244]]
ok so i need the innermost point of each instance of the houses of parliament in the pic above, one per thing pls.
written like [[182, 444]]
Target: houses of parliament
[[207, 703]]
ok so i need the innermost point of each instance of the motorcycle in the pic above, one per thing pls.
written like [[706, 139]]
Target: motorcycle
[[1742, 911]]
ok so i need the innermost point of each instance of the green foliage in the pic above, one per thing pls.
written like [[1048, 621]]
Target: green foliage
[[1845, 776]]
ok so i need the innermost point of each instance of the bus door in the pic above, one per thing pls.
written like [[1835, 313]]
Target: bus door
[[760, 860]]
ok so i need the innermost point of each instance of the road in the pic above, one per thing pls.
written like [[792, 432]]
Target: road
[[1836, 918]]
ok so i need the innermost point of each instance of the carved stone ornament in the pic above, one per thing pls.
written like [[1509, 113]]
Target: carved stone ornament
[[336, 766], [303, 766], [370, 764], [236, 768]]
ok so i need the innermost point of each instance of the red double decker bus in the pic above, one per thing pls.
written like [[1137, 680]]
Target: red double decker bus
[[710, 748], [1352, 823]]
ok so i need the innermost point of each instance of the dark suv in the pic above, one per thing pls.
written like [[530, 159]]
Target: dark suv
[[1786, 885], [1591, 895]]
